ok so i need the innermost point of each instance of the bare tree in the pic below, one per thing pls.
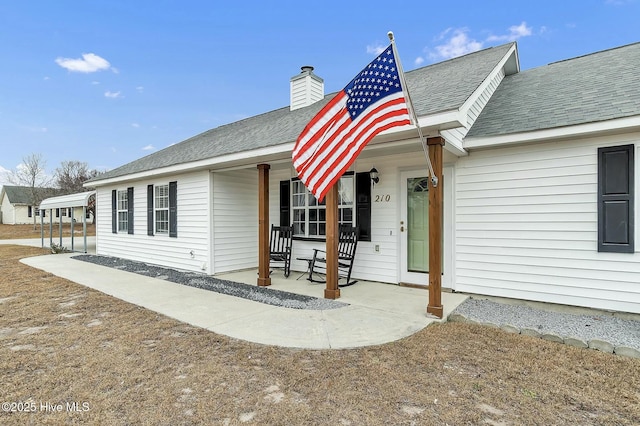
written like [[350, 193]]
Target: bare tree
[[32, 174], [70, 177]]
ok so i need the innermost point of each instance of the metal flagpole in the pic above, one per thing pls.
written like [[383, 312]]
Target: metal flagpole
[[405, 88]]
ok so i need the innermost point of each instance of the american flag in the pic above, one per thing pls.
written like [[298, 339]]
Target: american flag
[[372, 102]]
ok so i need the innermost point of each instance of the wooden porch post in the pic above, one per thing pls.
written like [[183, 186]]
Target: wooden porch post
[[435, 229], [332, 291], [263, 225]]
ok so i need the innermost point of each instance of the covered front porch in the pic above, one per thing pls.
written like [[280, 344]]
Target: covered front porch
[[431, 219]]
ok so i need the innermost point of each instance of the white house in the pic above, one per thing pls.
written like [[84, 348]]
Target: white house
[[17, 206], [538, 184]]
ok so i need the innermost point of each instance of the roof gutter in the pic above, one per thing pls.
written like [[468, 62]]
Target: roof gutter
[[620, 125]]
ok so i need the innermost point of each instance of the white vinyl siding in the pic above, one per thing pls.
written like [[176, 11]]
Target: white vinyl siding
[[476, 108], [235, 220], [526, 227], [189, 251], [456, 135]]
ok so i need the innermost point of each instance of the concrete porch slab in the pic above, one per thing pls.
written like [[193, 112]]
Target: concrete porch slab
[[377, 313]]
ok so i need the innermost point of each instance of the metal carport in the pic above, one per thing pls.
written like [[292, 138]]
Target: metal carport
[[80, 199]]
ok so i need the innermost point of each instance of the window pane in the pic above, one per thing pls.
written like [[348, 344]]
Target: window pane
[[123, 203], [346, 215], [162, 197], [345, 190], [313, 229], [162, 221], [123, 221], [323, 229]]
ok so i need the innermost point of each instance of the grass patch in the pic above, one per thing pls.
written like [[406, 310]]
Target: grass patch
[[13, 232], [63, 343]]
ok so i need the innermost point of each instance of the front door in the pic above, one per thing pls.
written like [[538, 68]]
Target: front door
[[414, 227]]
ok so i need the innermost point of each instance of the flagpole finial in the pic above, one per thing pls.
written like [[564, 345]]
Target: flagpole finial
[[390, 35]]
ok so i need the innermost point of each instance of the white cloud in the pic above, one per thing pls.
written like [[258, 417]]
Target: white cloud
[[375, 49], [619, 2], [95, 83], [515, 32], [46, 78], [90, 62], [419, 61], [34, 129], [457, 45], [457, 41], [136, 125], [148, 148], [112, 95], [140, 89]]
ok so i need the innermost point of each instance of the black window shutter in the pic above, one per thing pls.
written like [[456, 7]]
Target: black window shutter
[[285, 202], [616, 209], [130, 210], [149, 209], [57, 212], [363, 205], [114, 212], [29, 211], [173, 209]]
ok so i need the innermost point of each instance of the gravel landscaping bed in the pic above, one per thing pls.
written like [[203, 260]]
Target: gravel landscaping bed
[[206, 282], [590, 329]]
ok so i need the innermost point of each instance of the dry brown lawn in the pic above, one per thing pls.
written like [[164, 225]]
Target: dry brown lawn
[[10, 232], [62, 343]]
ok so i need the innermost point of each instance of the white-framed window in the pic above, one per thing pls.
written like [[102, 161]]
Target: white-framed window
[[161, 209], [123, 211], [309, 215], [37, 211], [64, 212]]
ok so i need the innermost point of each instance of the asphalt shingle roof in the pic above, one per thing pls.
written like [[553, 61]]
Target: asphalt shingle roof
[[435, 88], [23, 194], [591, 88]]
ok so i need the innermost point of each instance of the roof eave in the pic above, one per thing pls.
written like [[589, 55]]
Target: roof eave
[[614, 126]]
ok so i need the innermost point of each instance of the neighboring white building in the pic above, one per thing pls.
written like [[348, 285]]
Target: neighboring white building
[[17, 207], [539, 185]]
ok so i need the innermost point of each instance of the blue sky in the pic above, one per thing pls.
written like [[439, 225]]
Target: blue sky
[[107, 82]]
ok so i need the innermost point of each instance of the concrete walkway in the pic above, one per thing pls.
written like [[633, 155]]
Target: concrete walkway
[[377, 313]]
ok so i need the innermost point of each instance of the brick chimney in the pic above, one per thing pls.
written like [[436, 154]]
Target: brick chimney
[[306, 88]]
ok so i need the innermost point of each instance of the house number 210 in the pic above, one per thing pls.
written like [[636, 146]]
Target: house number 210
[[383, 198]]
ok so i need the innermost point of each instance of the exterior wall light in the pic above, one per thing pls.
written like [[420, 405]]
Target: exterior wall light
[[374, 175]]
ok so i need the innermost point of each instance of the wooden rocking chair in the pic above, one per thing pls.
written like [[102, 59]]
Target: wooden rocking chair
[[280, 247], [347, 243]]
